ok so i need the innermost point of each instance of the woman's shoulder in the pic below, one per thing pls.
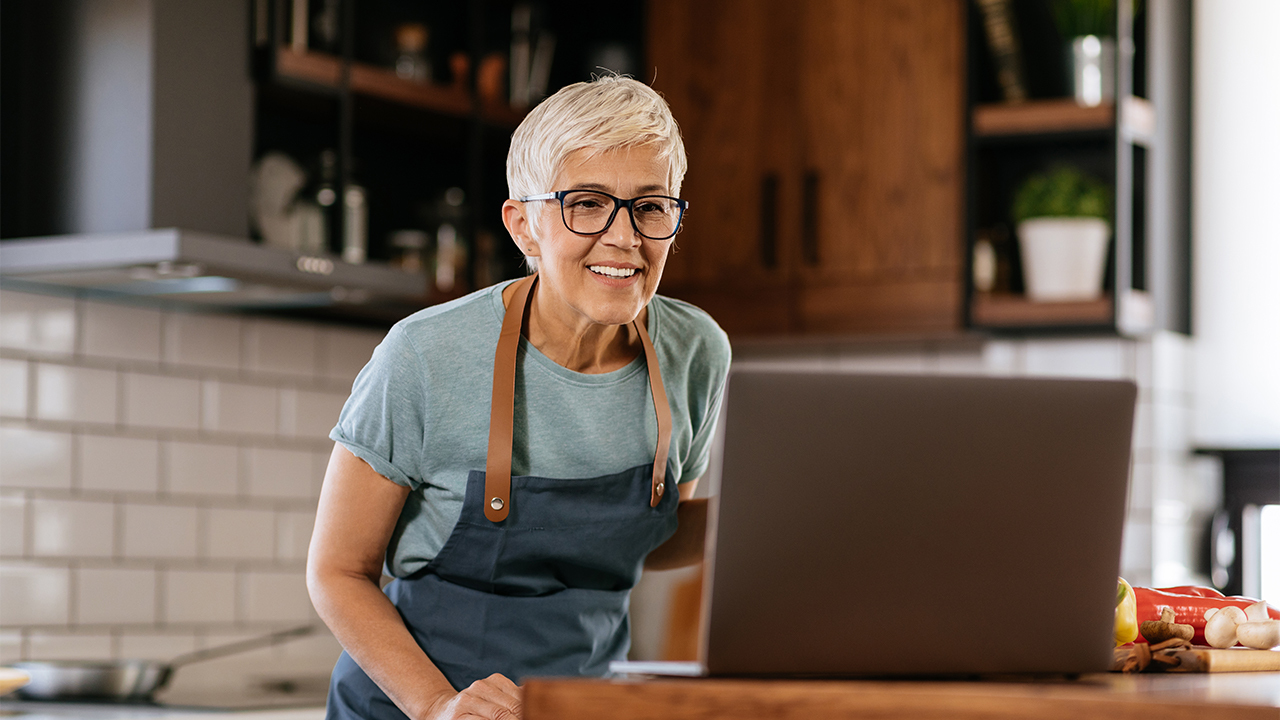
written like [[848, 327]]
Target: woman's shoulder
[[458, 317], [689, 328]]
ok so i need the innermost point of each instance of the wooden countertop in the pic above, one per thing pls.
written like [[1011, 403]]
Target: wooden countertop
[[1238, 696]]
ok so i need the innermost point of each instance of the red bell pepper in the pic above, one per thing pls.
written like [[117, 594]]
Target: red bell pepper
[[1188, 604]]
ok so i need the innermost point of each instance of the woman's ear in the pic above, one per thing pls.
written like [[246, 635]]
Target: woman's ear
[[515, 217]]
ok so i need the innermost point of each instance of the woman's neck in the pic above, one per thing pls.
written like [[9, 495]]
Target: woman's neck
[[584, 347]]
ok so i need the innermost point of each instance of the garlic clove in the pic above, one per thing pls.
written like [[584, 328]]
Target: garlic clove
[[1257, 612], [1262, 635]]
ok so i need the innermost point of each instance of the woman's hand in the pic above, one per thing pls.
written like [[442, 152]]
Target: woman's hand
[[493, 698]]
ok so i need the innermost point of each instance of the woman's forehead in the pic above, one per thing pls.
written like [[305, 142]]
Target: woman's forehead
[[637, 170]]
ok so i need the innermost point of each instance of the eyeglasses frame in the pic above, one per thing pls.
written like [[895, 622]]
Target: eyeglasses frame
[[618, 203]]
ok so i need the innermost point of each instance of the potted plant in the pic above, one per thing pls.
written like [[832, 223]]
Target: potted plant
[[1088, 26], [1063, 224]]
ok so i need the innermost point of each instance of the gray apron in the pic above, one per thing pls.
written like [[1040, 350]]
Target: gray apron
[[535, 578]]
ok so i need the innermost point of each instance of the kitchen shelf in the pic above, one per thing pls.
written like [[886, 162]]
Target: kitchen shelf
[[1040, 117], [1061, 116], [1007, 310], [325, 70]]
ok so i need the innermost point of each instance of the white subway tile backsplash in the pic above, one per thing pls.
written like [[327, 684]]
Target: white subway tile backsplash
[[72, 528], [13, 525], [35, 458], [202, 469], [13, 387], [1135, 553], [319, 466], [345, 351], [1086, 358], [960, 362], [70, 646], [279, 473], [162, 647], [1002, 357], [155, 401], [121, 332], [200, 596], [240, 534], [32, 595], [293, 534], [64, 392], [115, 596], [895, 362], [37, 323], [160, 531], [197, 340], [119, 464], [237, 408], [276, 597], [10, 647], [1172, 366], [281, 348], [311, 414]]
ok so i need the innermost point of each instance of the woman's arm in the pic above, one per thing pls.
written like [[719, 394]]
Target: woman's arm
[[686, 546], [357, 514]]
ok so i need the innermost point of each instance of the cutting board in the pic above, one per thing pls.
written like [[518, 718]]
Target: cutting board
[[1227, 660], [1204, 659]]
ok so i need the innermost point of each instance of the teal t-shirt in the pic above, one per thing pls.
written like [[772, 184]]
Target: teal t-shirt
[[419, 411]]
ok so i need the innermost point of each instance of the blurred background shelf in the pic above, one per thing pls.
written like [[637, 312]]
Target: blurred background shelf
[[1008, 310], [1040, 117]]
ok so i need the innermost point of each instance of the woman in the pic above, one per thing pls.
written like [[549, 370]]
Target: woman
[[508, 455]]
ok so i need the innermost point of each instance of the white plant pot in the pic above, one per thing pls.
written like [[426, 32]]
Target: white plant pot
[[1063, 258]]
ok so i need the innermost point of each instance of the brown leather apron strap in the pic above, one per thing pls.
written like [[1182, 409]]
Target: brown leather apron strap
[[662, 410], [497, 473]]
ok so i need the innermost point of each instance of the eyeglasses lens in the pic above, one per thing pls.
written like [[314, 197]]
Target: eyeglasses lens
[[587, 213]]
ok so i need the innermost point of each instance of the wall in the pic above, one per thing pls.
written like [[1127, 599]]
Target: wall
[[160, 471], [1236, 263], [159, 477]]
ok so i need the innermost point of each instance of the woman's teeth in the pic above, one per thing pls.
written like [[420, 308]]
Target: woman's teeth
[[612, 272]]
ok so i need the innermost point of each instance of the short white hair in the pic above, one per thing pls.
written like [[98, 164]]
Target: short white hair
[[609, 113]]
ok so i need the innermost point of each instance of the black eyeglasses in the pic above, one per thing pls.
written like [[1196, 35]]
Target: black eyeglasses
[[591, 212]]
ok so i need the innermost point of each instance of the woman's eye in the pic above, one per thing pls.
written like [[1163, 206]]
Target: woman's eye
[[650, 208]]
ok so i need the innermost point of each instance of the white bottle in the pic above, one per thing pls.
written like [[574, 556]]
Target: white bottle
[[355, 225]]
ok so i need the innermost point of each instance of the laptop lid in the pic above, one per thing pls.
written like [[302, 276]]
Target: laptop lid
[[915, 525]]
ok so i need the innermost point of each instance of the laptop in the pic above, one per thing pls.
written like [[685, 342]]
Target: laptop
[[905, 525]]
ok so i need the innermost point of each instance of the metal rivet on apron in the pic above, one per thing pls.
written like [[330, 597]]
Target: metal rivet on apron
[[660, 488], [496, 503]]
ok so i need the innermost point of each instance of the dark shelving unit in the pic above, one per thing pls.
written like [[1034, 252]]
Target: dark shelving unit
[[1138, 144]]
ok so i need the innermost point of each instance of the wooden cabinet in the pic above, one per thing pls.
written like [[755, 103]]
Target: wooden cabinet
[[826, 146]]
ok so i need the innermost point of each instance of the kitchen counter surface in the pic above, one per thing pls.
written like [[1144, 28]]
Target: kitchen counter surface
[[19, 710], [1238, 696]]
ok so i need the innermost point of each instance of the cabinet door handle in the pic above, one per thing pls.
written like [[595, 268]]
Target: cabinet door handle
[[769, 220], [809, 218]]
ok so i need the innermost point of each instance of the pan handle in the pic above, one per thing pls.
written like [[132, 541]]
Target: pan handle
[[274, 638]]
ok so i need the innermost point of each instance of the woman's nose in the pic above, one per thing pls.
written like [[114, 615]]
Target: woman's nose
[[622, 231]]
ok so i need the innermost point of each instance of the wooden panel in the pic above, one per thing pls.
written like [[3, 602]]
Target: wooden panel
[[891, 305], [1116, 697], [1017, 311], [1040, 117], [765, 310], [718, 64], [883, 128]]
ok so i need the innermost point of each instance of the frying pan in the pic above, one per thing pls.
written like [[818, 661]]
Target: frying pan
[[128, 680]]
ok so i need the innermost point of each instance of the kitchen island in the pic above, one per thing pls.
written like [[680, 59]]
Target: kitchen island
[[1238, 696]]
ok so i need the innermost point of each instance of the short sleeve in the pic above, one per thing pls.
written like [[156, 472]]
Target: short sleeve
[[707, 382], [383, 421]]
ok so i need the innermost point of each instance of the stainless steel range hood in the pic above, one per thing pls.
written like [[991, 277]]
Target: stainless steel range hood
[[203, 269]]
